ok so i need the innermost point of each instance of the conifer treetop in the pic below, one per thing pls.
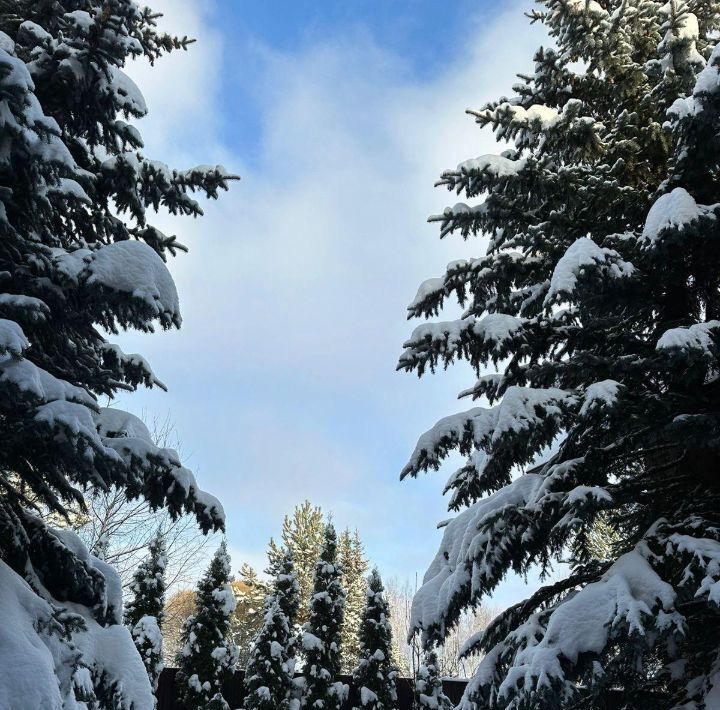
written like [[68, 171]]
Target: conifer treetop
[[148, 585], [428, 685], [354, 564], [145, 612], [302, 532]]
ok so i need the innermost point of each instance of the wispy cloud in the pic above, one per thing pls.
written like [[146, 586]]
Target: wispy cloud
[[282, 379]]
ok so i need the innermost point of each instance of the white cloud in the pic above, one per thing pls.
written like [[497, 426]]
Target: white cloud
[[295, 288]]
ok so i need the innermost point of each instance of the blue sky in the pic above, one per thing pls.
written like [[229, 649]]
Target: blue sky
[[339, 117], [423, 36]]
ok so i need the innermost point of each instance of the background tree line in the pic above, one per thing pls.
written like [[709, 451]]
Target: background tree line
[[303, 534], [121, 531]]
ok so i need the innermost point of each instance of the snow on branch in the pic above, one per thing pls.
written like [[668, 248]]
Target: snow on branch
[[12, 338], [480, 277], [519, 427], [480, 544], [476, 339], [630, 599], [673, 211], [454, 573], [32, 381], [707, 84], [127, 267], [602, 394], [582, 259], [495, 165], [462, 431], [694, 337], [127, 435], [538, 125]]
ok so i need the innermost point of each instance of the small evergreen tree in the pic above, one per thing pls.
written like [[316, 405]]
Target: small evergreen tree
[[270, 671], [429, 692], [101, 547], [287, 592], [207, 657], [353, 564], [321, 633], [145, 611], [375, 674]]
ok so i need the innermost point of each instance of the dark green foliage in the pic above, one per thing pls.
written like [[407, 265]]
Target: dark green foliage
[[375, 674], [207, 657], [597, 304], [144, 612], [428, 685], [148, 585], [321, 634], [303, 533], [80, 260], [270, 671]]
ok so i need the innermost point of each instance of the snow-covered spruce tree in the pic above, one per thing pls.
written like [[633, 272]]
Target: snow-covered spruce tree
[[598, 300], [429, 692], [375, 675], [321, 634], [286, 588], [79, 260], [145, 610], [207, 656], [271, 668]]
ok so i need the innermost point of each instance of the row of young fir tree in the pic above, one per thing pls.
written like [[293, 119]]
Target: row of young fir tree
[[282, 646], [303, 532]]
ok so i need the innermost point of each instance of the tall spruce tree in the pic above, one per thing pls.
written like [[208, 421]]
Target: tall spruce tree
[[208, 656], [271, 668], [79, 260], [321, 633], [597, 301], [375, 675], [429, 693], [354, 564], [145, 611], [303, 533]]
